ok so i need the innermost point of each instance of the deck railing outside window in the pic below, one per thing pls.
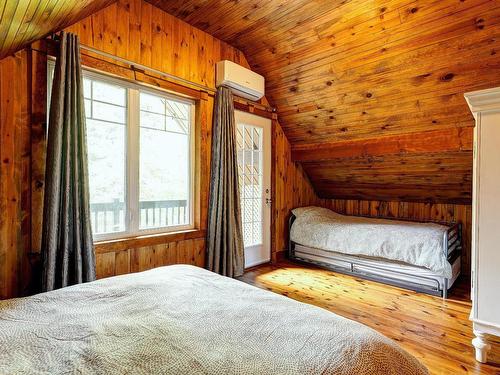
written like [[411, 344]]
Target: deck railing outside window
[[106, 217]]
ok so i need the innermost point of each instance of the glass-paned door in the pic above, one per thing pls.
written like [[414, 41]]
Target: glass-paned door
[[253, 139]]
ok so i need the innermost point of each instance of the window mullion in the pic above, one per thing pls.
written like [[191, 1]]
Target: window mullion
[[133, 160]]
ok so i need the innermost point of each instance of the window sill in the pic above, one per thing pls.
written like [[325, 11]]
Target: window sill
[[120, 244]]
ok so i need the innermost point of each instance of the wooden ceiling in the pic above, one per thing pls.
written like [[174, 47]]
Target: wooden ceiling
[[341, 72], [402, 166], [352, 70], [24, 21]]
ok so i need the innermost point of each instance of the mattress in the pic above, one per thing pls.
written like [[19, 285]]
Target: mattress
[[418, 244], [186, 320]]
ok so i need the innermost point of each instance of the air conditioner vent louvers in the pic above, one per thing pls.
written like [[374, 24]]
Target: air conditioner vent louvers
[[242, 81]]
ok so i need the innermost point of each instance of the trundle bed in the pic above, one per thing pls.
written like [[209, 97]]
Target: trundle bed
[[423, 257]]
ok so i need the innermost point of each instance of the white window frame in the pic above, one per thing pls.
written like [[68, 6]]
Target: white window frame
[[132, 154]]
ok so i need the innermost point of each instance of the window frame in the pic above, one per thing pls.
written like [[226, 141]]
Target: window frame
[[132, 154]]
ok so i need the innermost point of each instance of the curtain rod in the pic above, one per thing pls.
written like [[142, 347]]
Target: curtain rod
[[167, 75], [143, 67], [267, 108]]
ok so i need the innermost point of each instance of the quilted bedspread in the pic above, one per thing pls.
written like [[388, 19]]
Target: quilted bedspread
[[186, 320], [418, 244]]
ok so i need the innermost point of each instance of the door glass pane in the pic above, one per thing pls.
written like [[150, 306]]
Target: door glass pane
[[105, 109], [165, 162], [249, 151]]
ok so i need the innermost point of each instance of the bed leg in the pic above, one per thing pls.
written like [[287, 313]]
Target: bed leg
[[445, 289]]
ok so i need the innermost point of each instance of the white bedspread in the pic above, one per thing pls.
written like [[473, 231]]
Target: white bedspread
[[419, 244], [186, 320]]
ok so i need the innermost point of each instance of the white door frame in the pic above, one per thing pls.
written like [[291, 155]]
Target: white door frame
[[255, 255]]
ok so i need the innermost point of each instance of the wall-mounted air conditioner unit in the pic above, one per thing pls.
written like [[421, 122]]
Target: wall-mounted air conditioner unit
[[242, 81]]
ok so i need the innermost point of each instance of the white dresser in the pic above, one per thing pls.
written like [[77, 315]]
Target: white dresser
[[485, 314]]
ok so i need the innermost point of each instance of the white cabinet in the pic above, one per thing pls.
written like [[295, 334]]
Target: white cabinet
[[485, 314]]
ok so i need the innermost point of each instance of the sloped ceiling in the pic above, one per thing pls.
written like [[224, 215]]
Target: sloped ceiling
[[369, 92], [24, 21], [353, 73]]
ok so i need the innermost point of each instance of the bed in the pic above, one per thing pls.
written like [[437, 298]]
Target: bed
[[186, 320], [424, 257]]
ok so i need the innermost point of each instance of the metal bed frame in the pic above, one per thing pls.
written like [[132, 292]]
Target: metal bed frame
[[408, 277]]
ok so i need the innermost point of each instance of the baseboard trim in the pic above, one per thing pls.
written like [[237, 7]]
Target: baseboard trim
[[279, 256]]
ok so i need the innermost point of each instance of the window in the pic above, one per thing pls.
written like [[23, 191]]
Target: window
[[249, 147], [140, 155]]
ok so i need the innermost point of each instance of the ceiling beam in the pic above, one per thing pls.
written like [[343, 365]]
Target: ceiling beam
[[446, 140]]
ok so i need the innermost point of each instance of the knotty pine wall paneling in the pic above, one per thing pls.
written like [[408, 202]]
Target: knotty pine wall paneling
[[139, 32], [136, 31], [14, 171], [292, 189], [193, 57]]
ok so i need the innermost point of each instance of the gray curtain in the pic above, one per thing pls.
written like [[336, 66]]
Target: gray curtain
[[67, 248], [224, 238]]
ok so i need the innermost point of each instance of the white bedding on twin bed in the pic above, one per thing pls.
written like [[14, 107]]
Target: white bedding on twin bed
[[419, 244], [186, 320]]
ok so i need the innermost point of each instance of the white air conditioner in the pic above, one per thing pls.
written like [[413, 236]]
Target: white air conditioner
[[242, 81]]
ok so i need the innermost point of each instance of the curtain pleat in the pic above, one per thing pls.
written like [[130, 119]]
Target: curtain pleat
[[67, 248], [224, 236]]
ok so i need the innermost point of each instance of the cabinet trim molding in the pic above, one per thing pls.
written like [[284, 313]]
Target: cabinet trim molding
[[483, 100]]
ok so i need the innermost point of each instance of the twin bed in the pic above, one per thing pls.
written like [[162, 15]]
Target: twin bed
[[420, 256], [186, 320]]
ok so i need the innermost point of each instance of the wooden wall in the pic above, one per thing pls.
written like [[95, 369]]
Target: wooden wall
[[14, 170], [137, 31], [293, 189]]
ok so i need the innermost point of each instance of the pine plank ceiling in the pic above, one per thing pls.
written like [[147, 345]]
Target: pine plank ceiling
[[24, 21], [377, 77], [348, 73]]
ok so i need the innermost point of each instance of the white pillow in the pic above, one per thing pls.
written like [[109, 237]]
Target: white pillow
[[313, 211]]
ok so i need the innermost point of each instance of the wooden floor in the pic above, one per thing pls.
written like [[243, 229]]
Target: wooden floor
[[436, 331]]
